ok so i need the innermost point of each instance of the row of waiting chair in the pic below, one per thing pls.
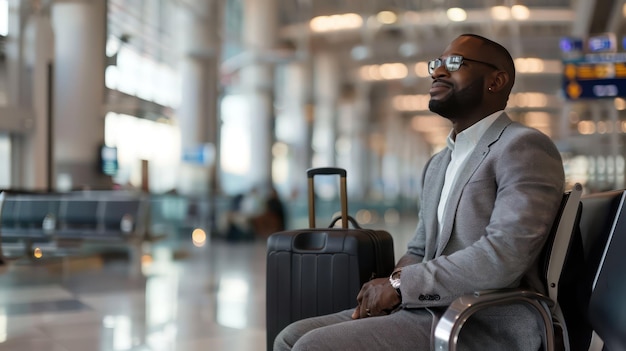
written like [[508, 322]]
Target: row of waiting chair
[[62, 222], [585, 280]]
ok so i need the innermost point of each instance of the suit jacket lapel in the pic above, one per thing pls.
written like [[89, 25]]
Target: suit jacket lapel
[[434, 180], [492, 134]]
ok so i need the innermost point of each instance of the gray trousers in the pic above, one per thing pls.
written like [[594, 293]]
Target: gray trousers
[[411, 329]]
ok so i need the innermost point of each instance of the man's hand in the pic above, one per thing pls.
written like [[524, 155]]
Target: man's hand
[[376, 298]]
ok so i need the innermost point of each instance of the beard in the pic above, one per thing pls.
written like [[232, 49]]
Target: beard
[[459, 102]]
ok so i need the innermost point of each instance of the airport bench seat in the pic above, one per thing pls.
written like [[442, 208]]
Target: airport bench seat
[[62, 223], [586, 309]]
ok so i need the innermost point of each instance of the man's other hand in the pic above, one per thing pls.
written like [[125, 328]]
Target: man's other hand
[[376, 298]]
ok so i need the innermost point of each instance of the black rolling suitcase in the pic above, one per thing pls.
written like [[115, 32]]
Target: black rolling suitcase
[[316, 271]]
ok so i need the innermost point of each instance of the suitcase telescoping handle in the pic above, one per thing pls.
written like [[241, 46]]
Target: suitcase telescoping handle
[[311, 173]]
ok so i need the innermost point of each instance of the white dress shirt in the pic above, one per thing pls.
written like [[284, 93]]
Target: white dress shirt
[[461, 146]]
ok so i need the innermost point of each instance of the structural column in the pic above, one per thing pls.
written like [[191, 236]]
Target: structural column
[[78, 123], [326, 91], [198, 111], [391, 164], [257, 86], [352, 130], [31, 98], [294, 123]]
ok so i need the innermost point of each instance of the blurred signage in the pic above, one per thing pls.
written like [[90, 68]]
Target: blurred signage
[[108, 160], [203, 154], [602, 43], [593, 68], [571, 48]]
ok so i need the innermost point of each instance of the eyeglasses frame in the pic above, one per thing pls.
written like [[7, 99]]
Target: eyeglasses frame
[[444, 62]]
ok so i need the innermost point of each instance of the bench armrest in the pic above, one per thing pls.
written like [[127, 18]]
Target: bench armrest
[[449, 326]]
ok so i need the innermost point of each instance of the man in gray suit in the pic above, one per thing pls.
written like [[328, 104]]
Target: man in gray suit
[[488, 201]]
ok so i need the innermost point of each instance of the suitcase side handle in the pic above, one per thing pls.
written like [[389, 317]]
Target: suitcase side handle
[[351, 219], [326, 171], [343, 192]]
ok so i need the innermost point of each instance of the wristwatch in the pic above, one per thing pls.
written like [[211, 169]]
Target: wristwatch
[[394, 279]]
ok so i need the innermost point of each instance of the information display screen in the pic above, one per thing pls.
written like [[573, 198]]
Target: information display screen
[[595, 76], [593, 69]]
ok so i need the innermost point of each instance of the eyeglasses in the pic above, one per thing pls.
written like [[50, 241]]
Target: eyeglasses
[[453, 63]]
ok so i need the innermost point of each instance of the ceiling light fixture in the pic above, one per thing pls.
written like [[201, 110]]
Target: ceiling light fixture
[[620, 104], [500, 13], [421, 70], [336, 22], [456, 14], [520, 12], [393, 71], [529, 65], [386, 17]]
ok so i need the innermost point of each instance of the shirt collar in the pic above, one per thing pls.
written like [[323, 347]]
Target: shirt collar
[[474, 132]]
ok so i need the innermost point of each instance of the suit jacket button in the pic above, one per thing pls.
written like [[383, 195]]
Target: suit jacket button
[[421, 297], [437, 297]]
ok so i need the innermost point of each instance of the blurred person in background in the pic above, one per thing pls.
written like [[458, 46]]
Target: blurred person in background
[[273, 218]]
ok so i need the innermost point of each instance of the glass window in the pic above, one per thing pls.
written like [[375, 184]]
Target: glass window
[[4, 17], [140, 139], [141, 34], [235, 143]]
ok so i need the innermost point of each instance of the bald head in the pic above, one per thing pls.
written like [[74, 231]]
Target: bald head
[[497, 54]]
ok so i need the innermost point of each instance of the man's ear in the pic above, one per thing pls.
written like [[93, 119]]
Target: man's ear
[[499, 81]]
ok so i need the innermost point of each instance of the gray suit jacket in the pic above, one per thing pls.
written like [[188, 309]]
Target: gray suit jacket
[[499, 213]]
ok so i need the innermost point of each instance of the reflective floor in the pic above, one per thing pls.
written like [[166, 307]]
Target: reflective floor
[[180, 297]]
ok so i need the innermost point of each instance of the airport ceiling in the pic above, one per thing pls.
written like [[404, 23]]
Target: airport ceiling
[[422, 30], [423, 25]]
